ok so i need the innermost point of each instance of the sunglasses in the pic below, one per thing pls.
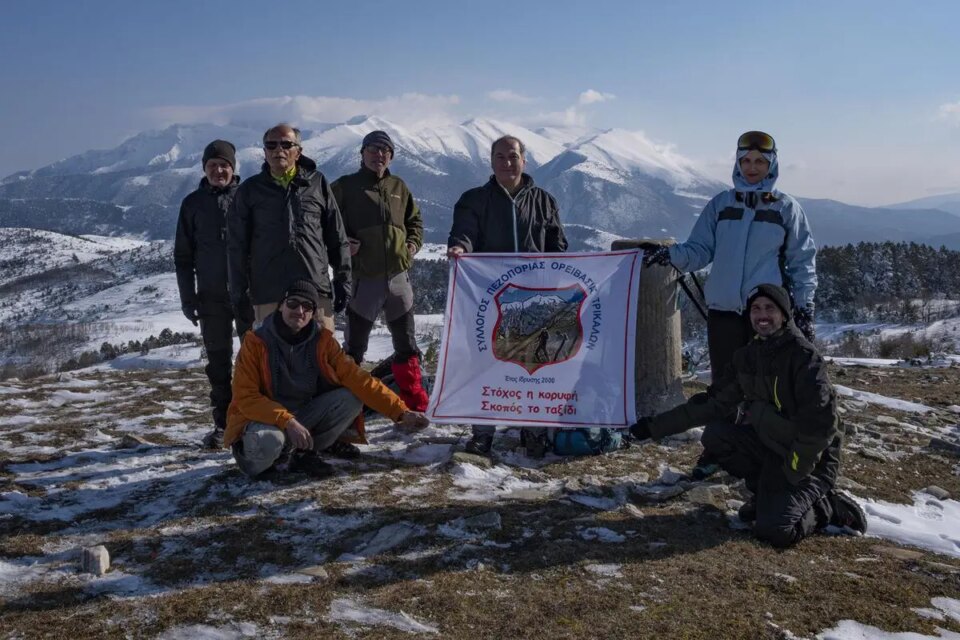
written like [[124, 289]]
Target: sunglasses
[[270, 145], [377, 149], [293, 304], [756, 141]]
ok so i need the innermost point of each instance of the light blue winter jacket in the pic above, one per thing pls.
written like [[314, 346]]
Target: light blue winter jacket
[[769, 242]]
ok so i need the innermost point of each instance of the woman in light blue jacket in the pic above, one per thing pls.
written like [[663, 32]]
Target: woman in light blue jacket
[[752, 234]]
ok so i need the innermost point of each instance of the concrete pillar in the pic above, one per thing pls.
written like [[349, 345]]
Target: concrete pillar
[[658, 344]]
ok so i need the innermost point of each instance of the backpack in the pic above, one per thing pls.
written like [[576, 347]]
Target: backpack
[[586, 441]]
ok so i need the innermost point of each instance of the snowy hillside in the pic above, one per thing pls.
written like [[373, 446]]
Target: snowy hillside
[[29, 252]]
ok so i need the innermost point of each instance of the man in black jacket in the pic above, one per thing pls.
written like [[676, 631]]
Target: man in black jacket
[[284, 226], [774, 424], [509, 214], [200, 258]]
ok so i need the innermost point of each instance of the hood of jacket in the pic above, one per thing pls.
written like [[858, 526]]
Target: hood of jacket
[[764, 186]]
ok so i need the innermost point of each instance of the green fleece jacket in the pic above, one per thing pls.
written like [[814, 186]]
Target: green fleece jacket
[[382, 215]]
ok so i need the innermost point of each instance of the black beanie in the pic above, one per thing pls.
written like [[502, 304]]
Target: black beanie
[[221, 149], [305, 290], [777, 294], [377, 137]]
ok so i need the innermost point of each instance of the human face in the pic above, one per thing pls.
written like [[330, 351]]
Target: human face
[[299, 317], [279, 159], [507, 163], [219, 172], [754, 167], [376, 157], [766, 317]]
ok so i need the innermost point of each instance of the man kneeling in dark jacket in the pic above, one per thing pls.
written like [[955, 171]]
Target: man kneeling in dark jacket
[[772, 421]]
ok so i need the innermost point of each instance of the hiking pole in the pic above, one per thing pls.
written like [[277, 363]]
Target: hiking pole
[[686, 289]]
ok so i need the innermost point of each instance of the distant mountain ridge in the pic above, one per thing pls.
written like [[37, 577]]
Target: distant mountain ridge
[[606, 181]]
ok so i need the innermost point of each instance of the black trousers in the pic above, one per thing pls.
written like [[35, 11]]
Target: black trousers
[[786, 514], [727, 331], [216, 328]]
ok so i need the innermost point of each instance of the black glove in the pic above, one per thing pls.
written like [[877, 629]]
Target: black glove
[[659, 256], [341, 294], [243, 312], [803, 318], [641, 429], [190, 311]]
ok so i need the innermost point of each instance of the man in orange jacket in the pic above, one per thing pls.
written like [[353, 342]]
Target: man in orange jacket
[[295, 392]]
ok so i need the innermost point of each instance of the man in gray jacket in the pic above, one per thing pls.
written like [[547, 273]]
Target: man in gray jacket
[[285, 225], [509, 214]]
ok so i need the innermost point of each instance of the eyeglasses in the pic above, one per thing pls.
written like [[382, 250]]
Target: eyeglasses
[[293, 304], [756, 141], [270, 145], [377, 149]]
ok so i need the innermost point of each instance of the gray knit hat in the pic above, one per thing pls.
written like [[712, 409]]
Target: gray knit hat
[[305, 290], [377, 137], [777, 294], [220, 149]]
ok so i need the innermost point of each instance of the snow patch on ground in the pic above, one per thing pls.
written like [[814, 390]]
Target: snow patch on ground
[[850, 630], [345, 611], [928, 523], [874, 398]]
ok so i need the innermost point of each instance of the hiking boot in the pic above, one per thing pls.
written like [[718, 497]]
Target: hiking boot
[[847, 514], [213, 440], [311, 464], [706, 466], [748, 511], [479, 445], [345, 450]]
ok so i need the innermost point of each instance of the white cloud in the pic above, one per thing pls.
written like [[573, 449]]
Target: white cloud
[[406, 109], [590, 96], [949, 112], [506, 95]]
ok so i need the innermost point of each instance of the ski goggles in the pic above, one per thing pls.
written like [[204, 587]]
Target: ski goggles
[[757, 141]]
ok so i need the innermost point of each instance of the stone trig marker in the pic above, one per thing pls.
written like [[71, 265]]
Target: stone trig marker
[[95, 560]]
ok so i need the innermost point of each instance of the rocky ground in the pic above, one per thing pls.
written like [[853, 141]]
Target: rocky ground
[[417, 539]]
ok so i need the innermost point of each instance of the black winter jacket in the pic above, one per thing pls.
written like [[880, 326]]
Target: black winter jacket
[[781, 388], [276, 235], [484, 220], [200, 247]]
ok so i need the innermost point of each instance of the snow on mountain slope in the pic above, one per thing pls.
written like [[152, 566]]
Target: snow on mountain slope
[[630, 152], [27, 252]]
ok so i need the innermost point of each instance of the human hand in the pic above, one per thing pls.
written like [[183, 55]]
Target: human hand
[[641, 428], [341, 294], [455, 251], [803, 318], [354, 246], [299, 435], [412, 421], [190, 312], [411, 249], [659, 256]]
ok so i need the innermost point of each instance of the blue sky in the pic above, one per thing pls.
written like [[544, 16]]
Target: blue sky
[[862, 96]]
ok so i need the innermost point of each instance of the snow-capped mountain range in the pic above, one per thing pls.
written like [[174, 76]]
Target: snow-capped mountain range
[[615, 180]]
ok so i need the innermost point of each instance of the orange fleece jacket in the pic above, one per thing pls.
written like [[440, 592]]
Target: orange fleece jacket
[[252, 401]]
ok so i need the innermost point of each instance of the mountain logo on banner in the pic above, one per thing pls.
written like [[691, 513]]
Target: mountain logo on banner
[[538, 327]]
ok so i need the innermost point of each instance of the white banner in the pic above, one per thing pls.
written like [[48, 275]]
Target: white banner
[[539, 340]]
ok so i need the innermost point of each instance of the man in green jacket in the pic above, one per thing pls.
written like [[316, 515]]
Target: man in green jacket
[[385, 231], [774, 424]]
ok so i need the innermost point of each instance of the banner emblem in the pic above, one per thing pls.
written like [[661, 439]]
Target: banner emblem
[[538, 327]]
